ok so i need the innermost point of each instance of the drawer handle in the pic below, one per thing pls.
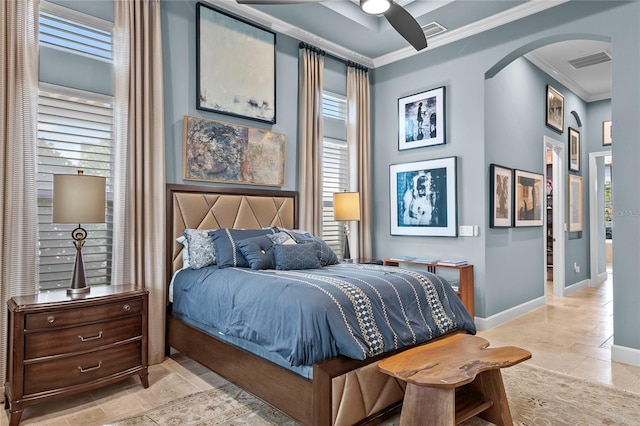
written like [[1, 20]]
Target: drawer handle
[[88, 339], [126, 308], [86, 370], [51, 319]]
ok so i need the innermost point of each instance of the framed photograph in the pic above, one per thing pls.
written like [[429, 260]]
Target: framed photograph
[[529, 202], [421, 119], [574, 150], [501, 197], [222, 152], [575, 203], [236, 67], [555, 110], [423, 198], [606, 132]]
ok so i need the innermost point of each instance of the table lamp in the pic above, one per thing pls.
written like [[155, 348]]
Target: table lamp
[[78, 199], [346, 207]]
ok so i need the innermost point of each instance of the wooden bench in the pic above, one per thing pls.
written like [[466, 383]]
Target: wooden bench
[[453, 379]]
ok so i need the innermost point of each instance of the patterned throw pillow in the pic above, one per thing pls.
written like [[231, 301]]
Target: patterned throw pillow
[[282, 238], [200, 248], [296, 256], [258, 251], [228, 253]]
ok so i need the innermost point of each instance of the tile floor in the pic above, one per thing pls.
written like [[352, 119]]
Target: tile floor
[[572, 335]]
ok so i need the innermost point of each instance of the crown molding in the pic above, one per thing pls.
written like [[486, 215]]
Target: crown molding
[[485, 24]]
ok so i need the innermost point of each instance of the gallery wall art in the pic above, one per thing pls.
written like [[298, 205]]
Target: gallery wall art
[[222, 152], [555, 110], [528, 204], [501, 196], [421, 120], [423, 198]]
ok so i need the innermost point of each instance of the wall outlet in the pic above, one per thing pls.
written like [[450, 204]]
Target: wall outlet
[[576, 268]]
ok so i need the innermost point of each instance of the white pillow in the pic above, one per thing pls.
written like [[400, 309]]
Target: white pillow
[[185, 251]]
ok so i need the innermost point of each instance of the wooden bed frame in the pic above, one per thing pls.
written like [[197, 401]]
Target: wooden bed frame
[[343, 391]]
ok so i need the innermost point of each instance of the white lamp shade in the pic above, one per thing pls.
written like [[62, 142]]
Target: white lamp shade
[[346, 206], [78, 199]]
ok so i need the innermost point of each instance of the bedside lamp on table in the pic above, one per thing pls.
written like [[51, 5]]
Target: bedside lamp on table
[[78, 199], [346, 207]]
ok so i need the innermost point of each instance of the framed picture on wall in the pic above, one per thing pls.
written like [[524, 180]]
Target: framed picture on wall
[[528, 198], [501, 197], [421, 119], [423, 198], [606, 132], [575, 203], [574, 150], [236, 66], [555, 110]]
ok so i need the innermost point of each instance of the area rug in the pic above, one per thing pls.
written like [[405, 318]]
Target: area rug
[[537, 396]]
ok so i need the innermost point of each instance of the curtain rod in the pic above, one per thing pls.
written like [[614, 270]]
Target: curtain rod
[[348, 63]]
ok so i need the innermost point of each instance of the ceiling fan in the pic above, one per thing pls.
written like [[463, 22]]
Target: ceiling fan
[[398, 17]]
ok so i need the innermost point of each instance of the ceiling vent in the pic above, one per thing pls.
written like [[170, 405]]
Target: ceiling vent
[[589, 60], [433, 29]]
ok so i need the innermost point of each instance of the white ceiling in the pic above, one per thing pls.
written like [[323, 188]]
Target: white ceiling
[[340, 28]]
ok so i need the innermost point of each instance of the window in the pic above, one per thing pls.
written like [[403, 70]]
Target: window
[[68, 33], [75, 132], [335, 176]]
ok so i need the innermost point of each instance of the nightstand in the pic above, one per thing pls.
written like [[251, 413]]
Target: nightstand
[[58, 345]]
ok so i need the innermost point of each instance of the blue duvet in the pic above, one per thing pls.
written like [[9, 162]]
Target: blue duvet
[[307, 316]]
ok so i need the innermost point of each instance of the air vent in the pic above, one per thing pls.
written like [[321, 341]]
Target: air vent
[[433, 29], [589, 60]]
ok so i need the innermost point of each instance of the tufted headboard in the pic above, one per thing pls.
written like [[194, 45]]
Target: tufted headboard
[[209, 207]]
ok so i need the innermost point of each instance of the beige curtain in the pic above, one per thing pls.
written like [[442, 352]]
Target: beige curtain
[[359, 143], [18, 118], [310, 140], [139, 183]]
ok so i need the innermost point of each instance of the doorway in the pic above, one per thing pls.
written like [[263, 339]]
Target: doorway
[[554, 226], [597, 224]]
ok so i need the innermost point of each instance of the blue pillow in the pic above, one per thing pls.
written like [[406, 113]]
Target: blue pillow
[[225, 241], [296, 256], [258, 251], [326, 255]]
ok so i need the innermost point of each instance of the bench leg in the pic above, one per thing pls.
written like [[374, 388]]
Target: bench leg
[[428, 406], [489, 384]]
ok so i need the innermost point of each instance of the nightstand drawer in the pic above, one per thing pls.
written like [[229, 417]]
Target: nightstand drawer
[[69, 340], [49, 320], [80, 369]]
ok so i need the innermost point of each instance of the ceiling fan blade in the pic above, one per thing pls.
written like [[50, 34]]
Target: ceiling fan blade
[[406, 25]]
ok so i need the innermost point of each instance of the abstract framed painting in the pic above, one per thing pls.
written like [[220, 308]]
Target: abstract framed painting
[[421, 119], [215, 151], [500, 196], [423, 198], [529, 189], [236, 67], [574, 150], [555, 110]]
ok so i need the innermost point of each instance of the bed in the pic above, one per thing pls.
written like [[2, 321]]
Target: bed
[[314, 390]]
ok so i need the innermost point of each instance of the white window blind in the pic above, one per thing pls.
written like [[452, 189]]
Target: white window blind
[[73, 35], [75, 132], [335, 174]]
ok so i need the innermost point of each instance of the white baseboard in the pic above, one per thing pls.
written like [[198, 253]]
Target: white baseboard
[[509, 314], [575, 287], [625, 355], [602, 277]]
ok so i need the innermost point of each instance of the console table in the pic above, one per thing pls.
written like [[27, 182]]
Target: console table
[[465, 286]]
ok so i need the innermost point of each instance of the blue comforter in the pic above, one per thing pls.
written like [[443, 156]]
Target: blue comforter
[[307, 316]]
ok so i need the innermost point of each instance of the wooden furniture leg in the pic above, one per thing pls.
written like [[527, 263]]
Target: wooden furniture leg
[[419, 404], [489, 384]]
